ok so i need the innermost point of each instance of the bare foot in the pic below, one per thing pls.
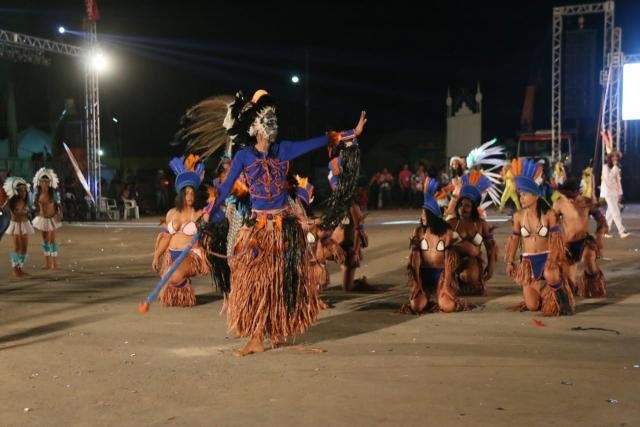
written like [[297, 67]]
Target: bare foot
[[253, 346], [16, 272]]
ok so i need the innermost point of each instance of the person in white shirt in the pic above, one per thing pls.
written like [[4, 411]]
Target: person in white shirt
[[611, 191]]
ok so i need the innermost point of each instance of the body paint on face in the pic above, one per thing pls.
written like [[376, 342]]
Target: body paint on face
[[266, 123]]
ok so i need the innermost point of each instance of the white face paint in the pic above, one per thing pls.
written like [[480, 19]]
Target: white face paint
[[267, 124]]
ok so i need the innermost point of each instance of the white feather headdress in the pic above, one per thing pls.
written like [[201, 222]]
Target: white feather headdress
[[11, 184], [48, 173]]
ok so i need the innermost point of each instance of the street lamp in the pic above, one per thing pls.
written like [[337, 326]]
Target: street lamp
[[295, 79]]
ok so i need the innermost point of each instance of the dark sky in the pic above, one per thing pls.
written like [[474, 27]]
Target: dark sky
[[389, 59]]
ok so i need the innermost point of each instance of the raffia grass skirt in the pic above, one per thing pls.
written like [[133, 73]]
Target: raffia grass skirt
[[256, 303], [183, 295]]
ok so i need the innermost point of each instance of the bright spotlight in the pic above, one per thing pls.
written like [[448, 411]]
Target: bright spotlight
[[115, 120], [295, 79], [99, 61], [61, 30], [631, 91], [100, 152]]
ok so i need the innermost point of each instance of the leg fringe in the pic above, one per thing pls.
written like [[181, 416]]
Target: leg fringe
[[557, 302], [592, 285], [178, 297], [418, 298], [447, 286]]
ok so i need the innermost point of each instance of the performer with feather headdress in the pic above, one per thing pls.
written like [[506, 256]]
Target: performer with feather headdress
[[273, 291], [48, 210], [535, 228], [470, 233], [432, 261], [486, 158], [180, 229], [17, 191]]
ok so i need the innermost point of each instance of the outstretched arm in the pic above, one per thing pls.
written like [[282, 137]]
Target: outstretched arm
[[289, 150]]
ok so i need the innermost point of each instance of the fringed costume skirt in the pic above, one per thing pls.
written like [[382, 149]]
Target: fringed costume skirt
[[183, 295], [556, 298], [46, 224], [274, 290], [20, 228]]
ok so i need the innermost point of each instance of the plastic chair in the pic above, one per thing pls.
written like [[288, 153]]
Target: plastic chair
[[109, 208], [131, 209]]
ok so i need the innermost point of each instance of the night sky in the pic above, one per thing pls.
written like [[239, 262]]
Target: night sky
[[389, 59]]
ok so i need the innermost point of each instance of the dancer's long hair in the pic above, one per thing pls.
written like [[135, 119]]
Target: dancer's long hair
[[436, 224], [198, 202]]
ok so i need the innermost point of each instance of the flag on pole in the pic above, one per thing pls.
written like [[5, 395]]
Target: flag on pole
[[78, 172]]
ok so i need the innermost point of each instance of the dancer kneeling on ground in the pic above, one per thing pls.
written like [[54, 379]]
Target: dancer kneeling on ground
[[574, 211], [535, 226], [178, 234], [432, 261], [470, 232]]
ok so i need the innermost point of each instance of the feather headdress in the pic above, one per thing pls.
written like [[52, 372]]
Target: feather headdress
[[189, 171], [431, 195], [11, 184], [46, 174], [528, 175]]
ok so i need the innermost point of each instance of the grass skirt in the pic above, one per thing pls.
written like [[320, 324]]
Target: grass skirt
[[257, 301], [183, 295]]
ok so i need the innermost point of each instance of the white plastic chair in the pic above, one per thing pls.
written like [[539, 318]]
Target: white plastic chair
[[109, 208], [131, 209]]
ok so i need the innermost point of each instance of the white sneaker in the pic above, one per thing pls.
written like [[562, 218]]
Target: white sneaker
[[608, 236], [625, 235]]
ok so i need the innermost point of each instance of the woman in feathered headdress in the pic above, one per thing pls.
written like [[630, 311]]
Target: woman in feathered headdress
[[470, 233], [486, 158], [432, 261], [535, 228], [273, 291], [48, 212], [180, 228], [20, 228]]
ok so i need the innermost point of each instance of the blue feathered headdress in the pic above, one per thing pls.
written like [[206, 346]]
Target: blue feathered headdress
[[429, 203], [473, 185], [528, 175], [189, 172]]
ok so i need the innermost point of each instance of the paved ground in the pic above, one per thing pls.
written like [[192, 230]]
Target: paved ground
[[74, 350]]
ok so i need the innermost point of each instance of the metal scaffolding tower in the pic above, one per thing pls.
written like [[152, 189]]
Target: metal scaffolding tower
[[607, 9], [24, 48], [92, 115]]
